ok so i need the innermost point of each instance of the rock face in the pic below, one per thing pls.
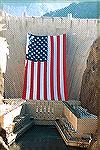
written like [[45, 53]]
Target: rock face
[[1, 86], [4, 51], [91, 78]]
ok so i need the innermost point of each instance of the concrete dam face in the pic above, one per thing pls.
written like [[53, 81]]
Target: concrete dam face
[[80, 36]]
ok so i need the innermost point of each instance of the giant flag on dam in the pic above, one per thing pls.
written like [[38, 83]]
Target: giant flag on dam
[[45, 68]]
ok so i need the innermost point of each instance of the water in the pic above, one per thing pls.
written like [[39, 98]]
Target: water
[[41, 138]]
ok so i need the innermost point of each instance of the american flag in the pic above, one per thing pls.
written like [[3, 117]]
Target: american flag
[[45, 68]]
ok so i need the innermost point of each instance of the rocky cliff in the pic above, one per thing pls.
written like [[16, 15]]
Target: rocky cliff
[[90, 88], [91, 79], [4, 51]]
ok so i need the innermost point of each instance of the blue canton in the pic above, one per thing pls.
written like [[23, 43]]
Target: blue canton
[[37, 48]]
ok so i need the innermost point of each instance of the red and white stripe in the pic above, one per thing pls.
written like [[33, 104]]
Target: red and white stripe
[[48, 80]]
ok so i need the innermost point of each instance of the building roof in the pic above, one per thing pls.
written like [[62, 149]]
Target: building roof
[[78, 110]]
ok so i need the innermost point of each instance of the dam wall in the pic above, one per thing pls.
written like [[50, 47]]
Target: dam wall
[[80, 35]]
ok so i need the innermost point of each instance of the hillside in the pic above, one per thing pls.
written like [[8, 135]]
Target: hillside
[[81, 10]]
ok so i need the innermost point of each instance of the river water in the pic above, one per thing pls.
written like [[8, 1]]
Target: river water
[[41, 138]]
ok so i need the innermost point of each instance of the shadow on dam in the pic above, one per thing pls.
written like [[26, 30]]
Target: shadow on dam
[[41, 138]]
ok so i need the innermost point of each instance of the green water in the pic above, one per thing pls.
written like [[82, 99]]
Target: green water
[[41, 138]]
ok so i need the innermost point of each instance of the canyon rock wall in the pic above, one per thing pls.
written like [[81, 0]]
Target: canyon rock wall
[[4, 51], [91, 79]]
